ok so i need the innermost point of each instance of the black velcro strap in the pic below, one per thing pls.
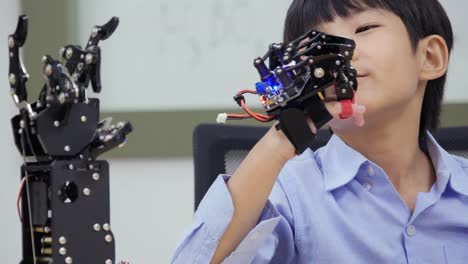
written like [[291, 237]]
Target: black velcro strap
[[293, 123], [317, 111]]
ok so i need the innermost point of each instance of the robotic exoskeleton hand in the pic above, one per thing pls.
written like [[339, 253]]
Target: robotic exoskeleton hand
[[297, 82], [64, 194]]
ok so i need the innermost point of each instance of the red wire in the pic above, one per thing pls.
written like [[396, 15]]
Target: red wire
[[260, 117], [18, 200], [250, 113], [247, 91], [239, 115]]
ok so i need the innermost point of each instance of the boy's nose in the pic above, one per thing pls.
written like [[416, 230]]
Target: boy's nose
[[355, 55]]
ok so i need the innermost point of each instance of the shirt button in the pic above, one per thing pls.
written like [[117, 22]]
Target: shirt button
[[367, 186], [254, 236], [371, 171], [411, 230]]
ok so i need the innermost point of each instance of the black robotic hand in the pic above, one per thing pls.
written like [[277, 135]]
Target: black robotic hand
[[292, 86], [65, 207]]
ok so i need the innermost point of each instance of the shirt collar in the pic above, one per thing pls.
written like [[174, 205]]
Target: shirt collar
[[340, 163], [447, 165]]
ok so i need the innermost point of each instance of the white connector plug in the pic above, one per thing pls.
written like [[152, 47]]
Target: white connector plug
[[222, 117]]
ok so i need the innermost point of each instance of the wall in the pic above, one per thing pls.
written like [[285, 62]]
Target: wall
[[10, 241]]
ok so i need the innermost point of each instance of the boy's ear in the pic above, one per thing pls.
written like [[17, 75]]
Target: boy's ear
[[434, 56]]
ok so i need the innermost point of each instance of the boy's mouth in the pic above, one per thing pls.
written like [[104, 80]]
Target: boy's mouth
[[361, 75]]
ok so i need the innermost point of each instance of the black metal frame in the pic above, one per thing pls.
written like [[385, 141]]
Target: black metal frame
[[65, 210]]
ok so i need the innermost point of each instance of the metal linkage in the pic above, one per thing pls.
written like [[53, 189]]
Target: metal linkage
[[65, 191]]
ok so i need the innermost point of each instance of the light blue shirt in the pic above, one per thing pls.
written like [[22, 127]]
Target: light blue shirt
[[336, 206]]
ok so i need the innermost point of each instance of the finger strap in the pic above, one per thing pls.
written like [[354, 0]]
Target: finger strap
[[346, 108], [317, 111], [293, 123]]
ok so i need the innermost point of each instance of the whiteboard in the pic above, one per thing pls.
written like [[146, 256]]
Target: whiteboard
[[185, 54], [181, 55]]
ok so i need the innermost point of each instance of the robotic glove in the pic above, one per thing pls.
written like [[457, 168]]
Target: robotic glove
[[292, 86]]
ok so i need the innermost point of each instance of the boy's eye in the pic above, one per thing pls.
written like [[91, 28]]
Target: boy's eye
[[365, 28]]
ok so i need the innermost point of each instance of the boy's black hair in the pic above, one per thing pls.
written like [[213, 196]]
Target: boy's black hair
[[421, 18]]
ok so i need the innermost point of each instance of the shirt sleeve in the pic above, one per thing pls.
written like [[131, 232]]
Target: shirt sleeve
[[271, 240]]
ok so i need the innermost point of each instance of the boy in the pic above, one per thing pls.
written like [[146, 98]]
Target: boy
[[381, 191]]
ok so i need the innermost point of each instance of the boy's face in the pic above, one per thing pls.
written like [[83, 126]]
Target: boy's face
[[387, 66]]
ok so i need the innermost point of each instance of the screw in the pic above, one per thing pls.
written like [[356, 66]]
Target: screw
[[97, 227], [62, 240], [11, 42], [71, 167], [68, 260], [338, 62], [56, 123], [346, 53], [62, 251], [86, 191], [69, 53], [83, 119], [67, 148], [89, 58], [106, 227], [48, 70], [108, 238], [61, 98], [108, 261], [12, 78], [96, 176], [319, 73], [94, 32]]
